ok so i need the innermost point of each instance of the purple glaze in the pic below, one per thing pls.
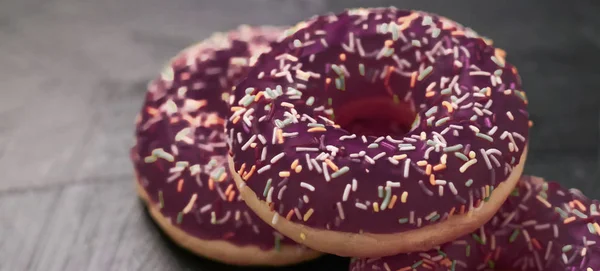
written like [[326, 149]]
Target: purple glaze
[[291, 81], [527, 233], [183, 115]]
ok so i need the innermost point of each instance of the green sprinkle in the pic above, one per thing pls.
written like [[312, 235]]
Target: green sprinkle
[[567, 248], [477, 239], [380, 191], [591, 228], [497, 61], [340, 172], [416, 43], [396, 99], [389, 52], [461, 156], [453, 268], [473, 118], [431, 111], [278, 123], [514, 235], [446, 91], [468, 251], [484, 136], [429, 121], [179, 217], [593, 209], [545, 186], [435, 218], [442, 121], [454, 148], [249, 90], [543, 195], [486, 199], [442, 253], [561, 212], [484, 90], [469, 182], [337, 70], [403, 220], [361, 69], [498, 72], [212, 162], [491, 264], [427, 20], [150, 159], [277, 243], [315, 125], [386, 200], [515, 192], [267, 187], [425, 72], [417, 264], [287, 122], [435, 33], [218, 173], [297, 43], [168, 74], [329, 101], [373, 145], [247, 100], [310, 101], [161, 200], [430, 142], [339, 83], [579, 214], [520, 95]]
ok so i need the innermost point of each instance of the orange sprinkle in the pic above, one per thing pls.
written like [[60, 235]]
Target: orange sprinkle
[[428, 169], [388, 43], [530, 124], [439, 167], [231, 196], [432, 179], [343, 57], [405, 268], [427, 266], [250, 173], [429, 94], [580, 205], [514, 70], [569, 220], [236, 119], [242, 169], [258, 96], [294, 164], [451, 212], [392, 202], [228, 190], [298, 169], [279, 136], [413, 79], [289, 214], [180, 185], [331, 165], [152, 111], [448, 106], [317, 129], [284, 174], [421, 163], [536, 244], [327, 80], [236, 108], [458, 33], [211, 184]]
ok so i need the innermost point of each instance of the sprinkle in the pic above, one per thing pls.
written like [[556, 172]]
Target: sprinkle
[[388, 196], [461, 156], [469, 183], [161, 199], [514, 235], [361, 69], [403, 220], [179, 217], [406, 167], [275, 219], [484, 136], [424, 73], [277, 157], [544, 201], [308, 214], [497, 61], [340, 210], [360, 205], [376, 207], [284, 174], [466, 165], [317, 129], [569, 220], [303, 236], [310, 101]]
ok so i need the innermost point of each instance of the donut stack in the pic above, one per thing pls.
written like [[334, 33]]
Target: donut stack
[[395, 137]]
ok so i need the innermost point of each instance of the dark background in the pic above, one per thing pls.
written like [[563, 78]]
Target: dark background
[[72, 77]]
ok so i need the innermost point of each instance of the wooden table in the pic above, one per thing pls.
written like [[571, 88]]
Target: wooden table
[[73, 74]]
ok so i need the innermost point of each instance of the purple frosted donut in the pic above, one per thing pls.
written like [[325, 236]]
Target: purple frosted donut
[[541, 226], [180, 154], [361, 134]]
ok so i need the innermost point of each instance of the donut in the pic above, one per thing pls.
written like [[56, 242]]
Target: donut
[[541, 226], [378, 131], [180, 155]]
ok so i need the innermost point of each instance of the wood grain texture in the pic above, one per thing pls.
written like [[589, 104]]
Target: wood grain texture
[[73, 75]]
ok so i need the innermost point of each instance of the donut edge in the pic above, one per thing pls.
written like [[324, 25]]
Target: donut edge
[[223, 251], [379, 245]]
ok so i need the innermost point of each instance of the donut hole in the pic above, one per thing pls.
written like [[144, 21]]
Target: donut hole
[[376, 116]]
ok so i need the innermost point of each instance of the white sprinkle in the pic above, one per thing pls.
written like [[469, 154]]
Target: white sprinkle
[[354, 185], [277, 157], [263, 169], [307, 186], [274, 137], [466, 165], [326, 172], [316, 165], [263, 155], [453, 188], [360, 206], [346, 192], [340, 210], [406, 165], [270, 195], [280, 194], [486, 158], [275, 219], [250, 141], [262, 139]]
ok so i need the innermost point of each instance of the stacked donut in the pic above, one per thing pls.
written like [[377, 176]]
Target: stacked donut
[[369, 133]]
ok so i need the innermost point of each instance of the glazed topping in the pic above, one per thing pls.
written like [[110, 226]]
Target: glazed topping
[[306, 124], [180, 153], [542, 226]]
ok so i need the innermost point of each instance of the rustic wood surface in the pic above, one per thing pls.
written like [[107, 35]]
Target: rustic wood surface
[[72, 76]]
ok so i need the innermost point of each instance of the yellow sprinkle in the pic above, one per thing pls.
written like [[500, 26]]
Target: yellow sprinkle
[[471, 154], [294, 164], [544, 201], [331, 165], [448, 106], [597, 228], [428, 170], [317, 129], [439, 167], [443, 158], [423, 136], [253, 145], [284, 174], [422, 163], [376, 207], [399, 157], [569, 220], [303, 236], [190, 204], [298, 169], [308, 214], [404, 196]]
